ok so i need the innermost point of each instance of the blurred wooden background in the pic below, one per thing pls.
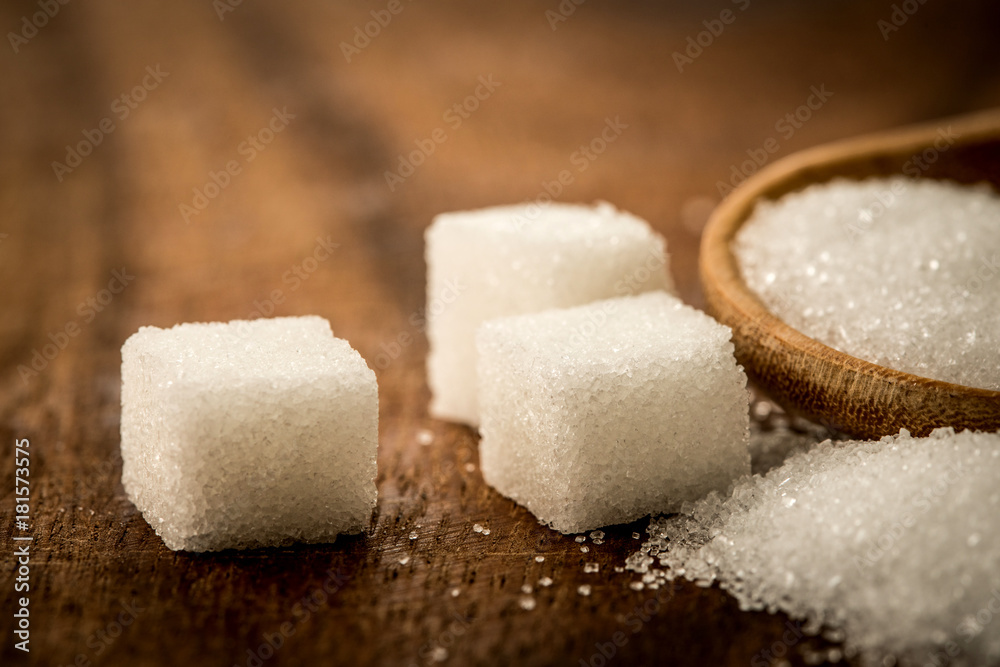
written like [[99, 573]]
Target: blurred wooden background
[[199, 80]]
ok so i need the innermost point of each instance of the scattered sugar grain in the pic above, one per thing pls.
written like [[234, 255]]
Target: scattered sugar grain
[[545, 581], [875, 546], [584, 589], [486, 531], [539, 559], [584, 549], [477, 528], [413, 535], [591, 567], [425, 437], [527, 603], [774, 440], [526, 589], [581, 538]]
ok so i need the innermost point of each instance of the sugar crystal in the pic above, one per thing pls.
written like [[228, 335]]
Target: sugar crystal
[[900, 272], [876, 544]]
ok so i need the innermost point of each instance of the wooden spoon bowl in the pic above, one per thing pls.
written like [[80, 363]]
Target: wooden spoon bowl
[[806, 376]]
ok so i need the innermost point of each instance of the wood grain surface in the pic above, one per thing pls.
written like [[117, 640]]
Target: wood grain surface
[[203, 82]]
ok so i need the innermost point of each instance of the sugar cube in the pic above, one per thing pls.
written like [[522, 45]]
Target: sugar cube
[[248, 433], [512, 260], [600, 414]]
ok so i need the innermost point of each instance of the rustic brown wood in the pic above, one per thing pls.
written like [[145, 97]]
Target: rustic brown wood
[[851, 394], [323, 176]]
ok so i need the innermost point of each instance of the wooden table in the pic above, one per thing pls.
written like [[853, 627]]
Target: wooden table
[[212, 146]]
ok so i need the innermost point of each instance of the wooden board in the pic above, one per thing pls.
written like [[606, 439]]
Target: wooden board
[[215, 81]]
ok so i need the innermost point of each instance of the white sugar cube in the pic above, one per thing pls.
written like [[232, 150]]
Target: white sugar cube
[[248, 433], [603, 413], [520, 259]]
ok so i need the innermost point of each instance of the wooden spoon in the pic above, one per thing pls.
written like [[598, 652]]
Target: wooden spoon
[[806, 376]]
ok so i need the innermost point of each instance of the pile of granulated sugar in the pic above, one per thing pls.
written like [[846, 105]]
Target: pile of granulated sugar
[[903, 273], [896, 543]]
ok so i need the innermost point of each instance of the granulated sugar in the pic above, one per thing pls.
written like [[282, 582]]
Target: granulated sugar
[[903, 273], [896, 542]]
